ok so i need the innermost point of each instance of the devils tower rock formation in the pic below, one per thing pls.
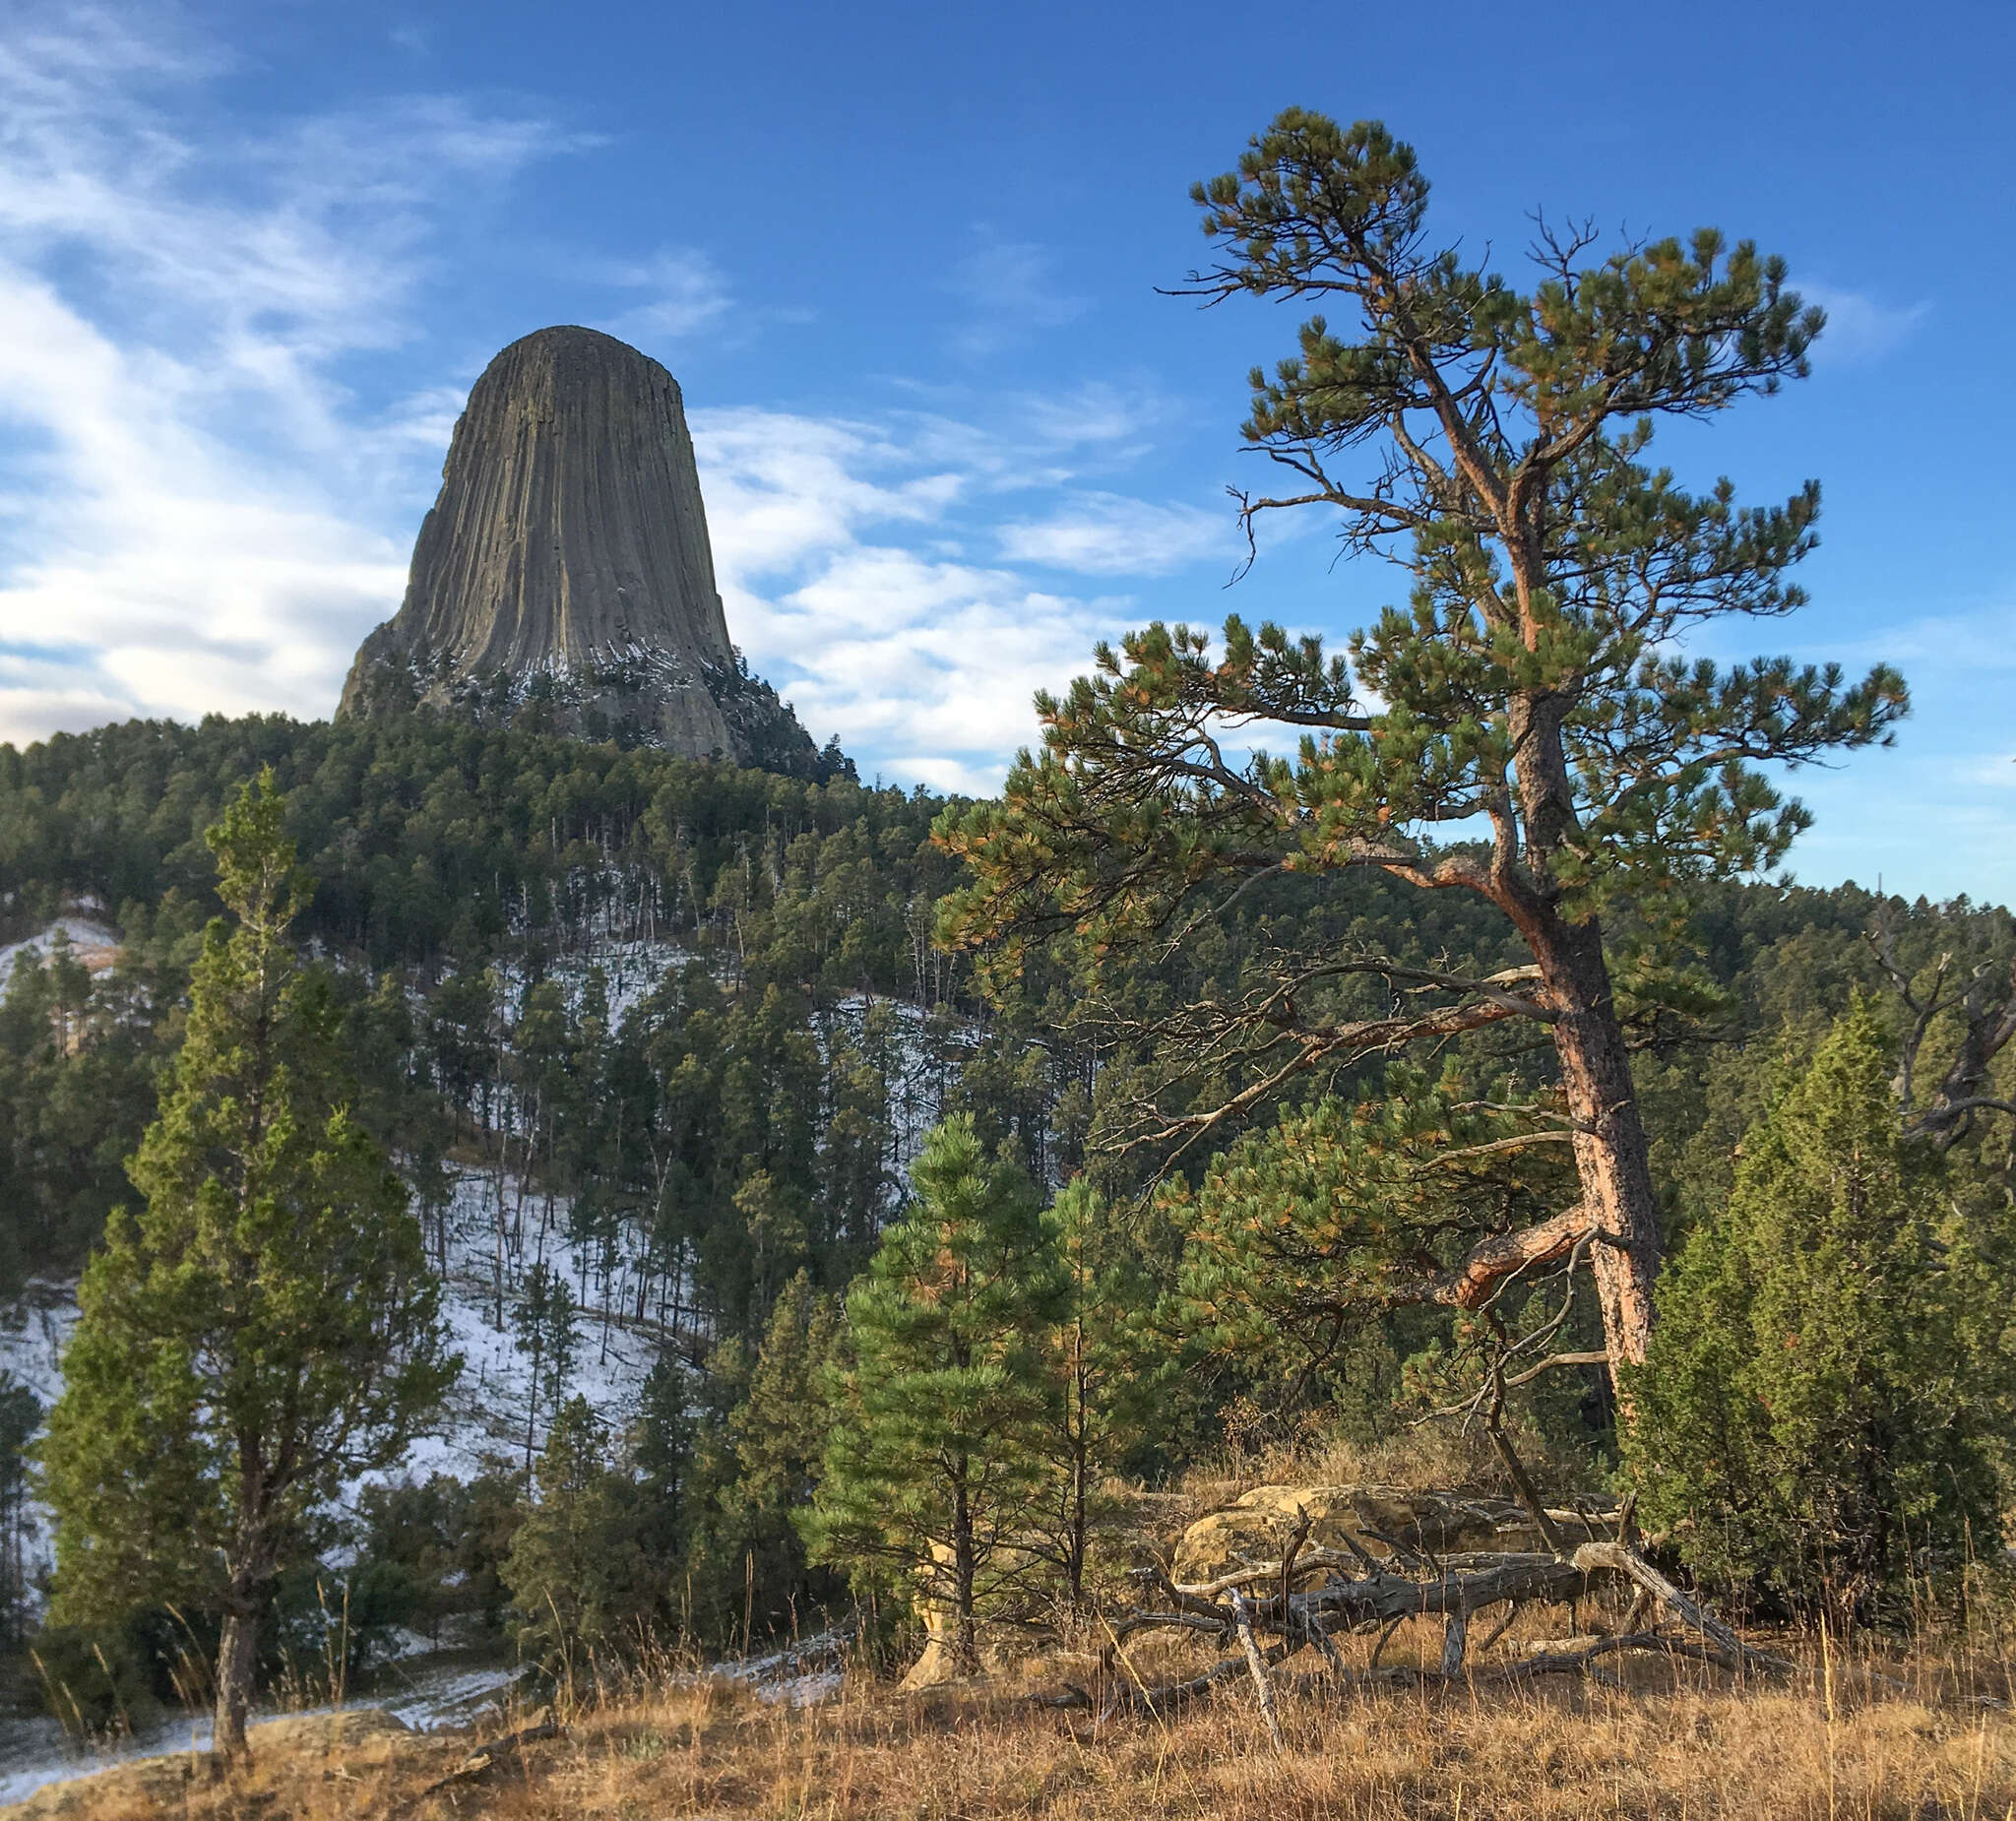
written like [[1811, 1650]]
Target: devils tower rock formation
[[563, 578]]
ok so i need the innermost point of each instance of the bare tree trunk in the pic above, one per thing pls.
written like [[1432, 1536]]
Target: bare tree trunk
[[1611, 1154], [1079, 1440], [965, 1653], [1256, 1668], [1073, 1567], [236, 1660]]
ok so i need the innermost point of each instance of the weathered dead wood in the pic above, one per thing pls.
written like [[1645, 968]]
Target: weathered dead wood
[[1130, 1698], [1455, 1586], [1584, 1662], [1121, 1629], [1256, 1666], [1989, 1027], [1623, 1559], [1455, 1636], [1459, 1586], [1545, 1662], [1504, 1624], [1255, 1574], [1547, 1578]]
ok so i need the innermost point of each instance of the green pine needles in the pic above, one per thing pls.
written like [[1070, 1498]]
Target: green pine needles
[[266, 1327], [1832, 1373], [1525, 727], [937, 1458]]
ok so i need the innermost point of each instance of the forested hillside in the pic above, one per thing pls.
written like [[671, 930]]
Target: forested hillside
[[653, 1043], [468, 882]]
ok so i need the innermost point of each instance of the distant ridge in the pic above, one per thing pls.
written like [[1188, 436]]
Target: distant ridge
[[564, 577]]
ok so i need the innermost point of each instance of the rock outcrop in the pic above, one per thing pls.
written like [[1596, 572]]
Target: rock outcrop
[[564, 579], [1439, 1523]]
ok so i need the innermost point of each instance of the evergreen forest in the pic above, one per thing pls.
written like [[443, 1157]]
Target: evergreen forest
[[548, 1203]]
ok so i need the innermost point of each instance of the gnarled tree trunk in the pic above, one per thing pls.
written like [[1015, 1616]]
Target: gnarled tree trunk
[[1611, 1154]]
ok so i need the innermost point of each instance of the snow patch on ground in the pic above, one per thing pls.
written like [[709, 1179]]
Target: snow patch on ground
[[37, 1753], [804, 1674], [94, 944], [32, 1335], [495, 1230]]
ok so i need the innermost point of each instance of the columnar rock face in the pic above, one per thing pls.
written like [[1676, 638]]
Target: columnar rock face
[[564, 575]]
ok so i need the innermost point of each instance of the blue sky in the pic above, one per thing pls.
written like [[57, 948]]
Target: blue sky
[[903, 260]]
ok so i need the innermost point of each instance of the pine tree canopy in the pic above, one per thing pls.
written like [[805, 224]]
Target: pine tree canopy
[[1526, 727], [936, 1451], [1307, 1230], [1832, 1376], [265, 1326]]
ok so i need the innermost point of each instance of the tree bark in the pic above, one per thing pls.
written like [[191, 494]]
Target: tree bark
[[1611, 1154], [236, 1660], [966, 1654]]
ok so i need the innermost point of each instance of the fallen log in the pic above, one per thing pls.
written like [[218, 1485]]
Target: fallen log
[[1256, 1666], [1735, 1654], [1377, 1598]]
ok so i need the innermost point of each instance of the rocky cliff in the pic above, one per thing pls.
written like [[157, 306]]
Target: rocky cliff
[[564, 579]]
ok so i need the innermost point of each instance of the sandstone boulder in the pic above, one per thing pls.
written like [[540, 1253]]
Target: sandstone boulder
[[1443, 1523]]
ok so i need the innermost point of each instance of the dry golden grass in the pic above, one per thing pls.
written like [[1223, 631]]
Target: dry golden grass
[[1897, 1735], [1674, 1744], [1430, 1456]]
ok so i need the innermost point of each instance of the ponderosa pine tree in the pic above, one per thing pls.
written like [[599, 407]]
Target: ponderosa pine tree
[[1105, 1368], [266, 1327], [1304, 1232], [584, 1585], [543, 1329], [756, 1462], [1832, 1375], [936, 1455], [1532, 690], [21, 1414]]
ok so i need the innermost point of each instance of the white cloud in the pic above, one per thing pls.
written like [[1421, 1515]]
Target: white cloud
[[1102, 533], [196, 515], [1111, 419], [922, 660], [684, 291], [1859, 329], [194, 505], [1997, 771], [1012, 289]]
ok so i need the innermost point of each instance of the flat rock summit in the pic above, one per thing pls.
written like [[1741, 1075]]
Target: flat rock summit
[[564, 578]]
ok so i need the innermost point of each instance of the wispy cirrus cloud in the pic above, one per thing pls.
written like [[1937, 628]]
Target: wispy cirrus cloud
[[1104, 533], [191, 494], [683, 289], [1861, 328], [841, 551], [199, 513], [1011, 289]]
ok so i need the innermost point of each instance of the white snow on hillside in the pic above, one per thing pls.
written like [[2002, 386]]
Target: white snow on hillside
[[496, 1231], [31, 1337], [93, 943], [496, 1226], [487, 1414]]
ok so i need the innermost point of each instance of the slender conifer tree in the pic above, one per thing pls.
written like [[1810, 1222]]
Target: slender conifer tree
[[266, 1328], [937, 1452]]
